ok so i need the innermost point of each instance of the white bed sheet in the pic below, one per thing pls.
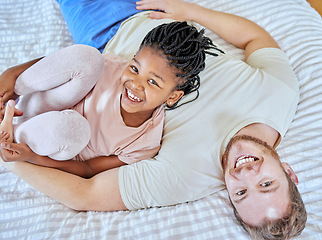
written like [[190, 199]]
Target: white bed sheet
[[34, 28]]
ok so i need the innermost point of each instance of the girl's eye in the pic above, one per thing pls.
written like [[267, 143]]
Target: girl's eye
[[151, 81], [134, 69], [266, 184], [240, 193]]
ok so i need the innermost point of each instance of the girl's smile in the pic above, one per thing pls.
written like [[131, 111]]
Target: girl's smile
[[148, 82], [131, 96]]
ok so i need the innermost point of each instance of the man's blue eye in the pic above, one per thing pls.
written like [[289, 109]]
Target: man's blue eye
[[242, 192], [266, 184]]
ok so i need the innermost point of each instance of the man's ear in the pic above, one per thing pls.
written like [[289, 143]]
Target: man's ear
[[174, 97], [287, 168]]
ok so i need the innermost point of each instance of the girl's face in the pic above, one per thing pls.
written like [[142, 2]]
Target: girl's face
[[148, 81]]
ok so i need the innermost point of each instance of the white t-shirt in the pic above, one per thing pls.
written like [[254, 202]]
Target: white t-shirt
[[233, 94]]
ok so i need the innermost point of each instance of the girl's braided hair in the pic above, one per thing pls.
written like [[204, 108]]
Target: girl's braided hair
[[185, 48]]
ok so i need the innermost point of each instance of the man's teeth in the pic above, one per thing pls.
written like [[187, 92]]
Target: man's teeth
[[245, 159], [133, 97]]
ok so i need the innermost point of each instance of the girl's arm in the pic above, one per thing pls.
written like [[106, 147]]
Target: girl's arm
[[8, 79], [17, 152], [7, 84], [236, 30]]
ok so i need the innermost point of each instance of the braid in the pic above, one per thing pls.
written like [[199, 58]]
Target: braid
[[185, 49]]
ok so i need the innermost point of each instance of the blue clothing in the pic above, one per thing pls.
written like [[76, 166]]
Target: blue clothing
[[95, 22]]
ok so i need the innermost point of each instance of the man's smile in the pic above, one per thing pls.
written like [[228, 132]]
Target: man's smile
[[244, 160]]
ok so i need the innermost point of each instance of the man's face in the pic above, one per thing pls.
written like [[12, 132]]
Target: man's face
[[255, 180]]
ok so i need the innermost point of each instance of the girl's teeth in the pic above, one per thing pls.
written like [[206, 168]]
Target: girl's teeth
[[133, 97]]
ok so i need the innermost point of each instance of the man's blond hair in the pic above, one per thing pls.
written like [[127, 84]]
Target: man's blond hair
[[287, 227]]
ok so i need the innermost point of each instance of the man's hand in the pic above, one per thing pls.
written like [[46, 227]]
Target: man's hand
[[173, 9], [234, 29], [16, 152]]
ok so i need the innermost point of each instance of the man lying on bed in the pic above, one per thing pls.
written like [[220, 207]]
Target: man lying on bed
[[229, 134]]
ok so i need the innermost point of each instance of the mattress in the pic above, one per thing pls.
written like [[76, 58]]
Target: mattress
[[34, 28]]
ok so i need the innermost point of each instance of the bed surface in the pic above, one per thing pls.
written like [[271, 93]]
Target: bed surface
[[34, 28]]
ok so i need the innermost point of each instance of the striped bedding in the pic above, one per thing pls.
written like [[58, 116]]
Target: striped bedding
[[34, 28]]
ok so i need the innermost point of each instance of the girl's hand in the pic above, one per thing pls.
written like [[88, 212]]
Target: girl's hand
[[16, 152], [7, 86], [173, 9], [8, 81]]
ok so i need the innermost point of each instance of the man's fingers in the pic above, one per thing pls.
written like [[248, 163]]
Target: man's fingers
[[150, 5], [158, 15], [3, 154], [9, 151], [11, 146], [153, 5], [4, 136]]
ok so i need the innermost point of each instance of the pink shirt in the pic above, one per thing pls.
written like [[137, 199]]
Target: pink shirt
[[109, 134]]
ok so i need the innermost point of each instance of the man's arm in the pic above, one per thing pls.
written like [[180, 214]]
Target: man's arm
[[236, 30], [99, 193]]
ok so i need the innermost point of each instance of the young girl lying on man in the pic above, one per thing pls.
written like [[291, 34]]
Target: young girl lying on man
[[81, 105]]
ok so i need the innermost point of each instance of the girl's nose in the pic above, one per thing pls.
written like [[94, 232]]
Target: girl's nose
[[136, 83]]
